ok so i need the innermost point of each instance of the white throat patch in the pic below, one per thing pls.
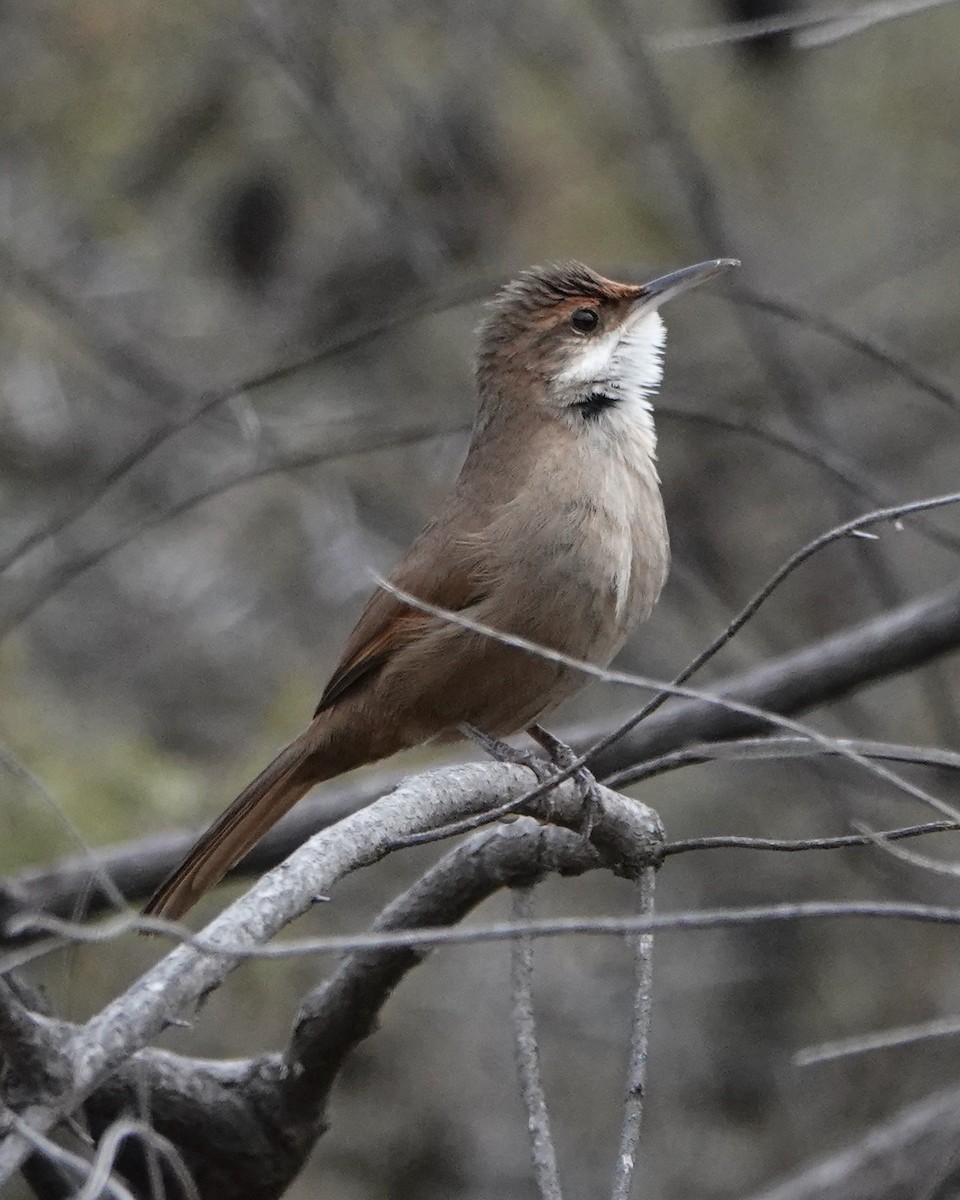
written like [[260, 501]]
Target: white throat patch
[[627, 361], [627, 364]]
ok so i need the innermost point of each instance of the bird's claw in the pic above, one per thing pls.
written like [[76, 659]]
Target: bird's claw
[[563, 756]]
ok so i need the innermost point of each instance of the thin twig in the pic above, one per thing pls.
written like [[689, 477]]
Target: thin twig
[[866, 344], [836, 466], [886, 1039], [912, 858], [639, 1041], [832, 21], [101, 1175], [528, 1052], [775, 749], [377, 439], [97, 874], [789, 845], [427, 939], [845, 529], [77, 1166]]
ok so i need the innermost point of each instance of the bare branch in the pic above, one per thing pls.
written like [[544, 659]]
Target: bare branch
[[866, 344], [818, 27], [902, 639], [776, 748], [188, 973], [528, 1053], [886, 1039], [245, 1128], [903, 1159], [789, 845], [639, 1039], [28, 1047]]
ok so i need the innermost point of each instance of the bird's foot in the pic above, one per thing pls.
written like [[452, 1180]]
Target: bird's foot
[[563, 756], [503, 752]]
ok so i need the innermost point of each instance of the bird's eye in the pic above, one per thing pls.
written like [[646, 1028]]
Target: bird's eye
[[584, 320]]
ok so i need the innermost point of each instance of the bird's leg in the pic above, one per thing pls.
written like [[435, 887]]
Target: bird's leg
[[503, 752], [562, 755]]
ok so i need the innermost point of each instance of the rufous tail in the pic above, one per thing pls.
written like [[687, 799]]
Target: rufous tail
[[258, 807]]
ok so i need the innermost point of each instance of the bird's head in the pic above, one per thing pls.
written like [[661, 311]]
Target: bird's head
[[582, 348]]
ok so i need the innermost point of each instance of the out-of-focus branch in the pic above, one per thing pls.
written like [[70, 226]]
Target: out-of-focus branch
[[30, 1050], [809, 29], [357, 438], [912, 1156], [866, 344]]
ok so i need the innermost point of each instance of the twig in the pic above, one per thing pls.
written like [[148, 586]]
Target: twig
[[528, 1052], [907, 1156], [866, 344], [835, 20], [912, 858], [102, 1172], [866, 521], [776, 748], [901, 639], [423, 940], [639, 1040], [111, 894], [836, 466], [74, 1164], [886, 1039], [790, 845]]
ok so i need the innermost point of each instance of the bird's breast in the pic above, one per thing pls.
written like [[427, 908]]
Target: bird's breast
[[594, 556]]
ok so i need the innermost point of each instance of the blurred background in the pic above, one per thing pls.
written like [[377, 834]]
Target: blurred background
[[193, 196]]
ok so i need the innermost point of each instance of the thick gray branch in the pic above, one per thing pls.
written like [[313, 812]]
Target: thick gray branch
[[185, 975], [244, 1129]]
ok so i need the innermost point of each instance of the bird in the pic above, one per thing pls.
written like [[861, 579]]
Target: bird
[[554, 532]]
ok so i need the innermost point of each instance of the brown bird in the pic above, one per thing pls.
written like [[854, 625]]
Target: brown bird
[[555, 532]]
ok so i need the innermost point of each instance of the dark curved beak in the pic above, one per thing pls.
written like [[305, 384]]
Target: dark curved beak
[[658, 291]]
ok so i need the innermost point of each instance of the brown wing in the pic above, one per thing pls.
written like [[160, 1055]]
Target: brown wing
[[436, 569]]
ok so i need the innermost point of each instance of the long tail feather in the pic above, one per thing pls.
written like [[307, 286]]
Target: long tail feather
[[258, 807]]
